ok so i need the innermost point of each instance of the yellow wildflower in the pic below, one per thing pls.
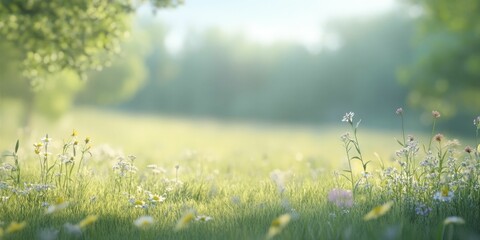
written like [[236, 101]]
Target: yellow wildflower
[[378, 211], [186, 219], [88, 221], [278, 224], [15, 227]]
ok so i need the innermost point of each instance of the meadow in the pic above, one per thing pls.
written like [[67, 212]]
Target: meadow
[[107, 175]]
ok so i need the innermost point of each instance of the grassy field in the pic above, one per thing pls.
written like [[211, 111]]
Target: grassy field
[[144, 177]]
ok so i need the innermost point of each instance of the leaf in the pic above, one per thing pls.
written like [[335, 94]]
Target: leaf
[[17, 145], [358, 123], [401, 144]]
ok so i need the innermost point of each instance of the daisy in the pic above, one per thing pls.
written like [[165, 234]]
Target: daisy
[[203, 218], [444, 195], [143, 222]]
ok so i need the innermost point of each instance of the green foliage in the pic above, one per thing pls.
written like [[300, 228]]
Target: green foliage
[[446, 71], [53, 36]]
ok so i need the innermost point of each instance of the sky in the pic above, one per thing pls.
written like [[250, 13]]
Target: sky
[[267, 21]]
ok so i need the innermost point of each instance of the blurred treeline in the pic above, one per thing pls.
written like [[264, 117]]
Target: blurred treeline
[[226, 76]]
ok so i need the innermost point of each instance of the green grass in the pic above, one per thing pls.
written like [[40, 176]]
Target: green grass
[[226, 173]]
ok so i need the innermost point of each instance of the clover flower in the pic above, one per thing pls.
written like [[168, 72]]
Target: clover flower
[[436, 114]]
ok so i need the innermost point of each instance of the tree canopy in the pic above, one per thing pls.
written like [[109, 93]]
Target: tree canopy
[[447, 67], [56, 35]]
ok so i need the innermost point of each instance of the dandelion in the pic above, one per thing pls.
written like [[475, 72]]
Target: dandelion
[[88, 221], [348, 117], [15, 227], [341, 198], [444, 195], [185, 220], [453, 220], [378, 211], [59, 205], [203, 218], [143, 222], [278, 224], [436, 114]]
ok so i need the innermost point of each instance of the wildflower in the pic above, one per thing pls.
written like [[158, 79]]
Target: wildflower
[[436, 114], [143, 222], [46, 139], [399, 111], [139, 203], [348, 117], [345, 137], [88, 221], [186, 219], [59, 205], [378, 211], [444, 195], [157, 198], [341, 198], [453, 220], [422, 210], [74, 133], [87, 140], [15, 227], [476, 122], [468, 149], [278, 224], [203, 218], [438, 137]]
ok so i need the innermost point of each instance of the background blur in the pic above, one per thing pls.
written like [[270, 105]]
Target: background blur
[[281, 62]]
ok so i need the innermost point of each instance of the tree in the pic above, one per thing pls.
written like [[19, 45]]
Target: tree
[[55, 35], [59, 41], [446, 72]]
